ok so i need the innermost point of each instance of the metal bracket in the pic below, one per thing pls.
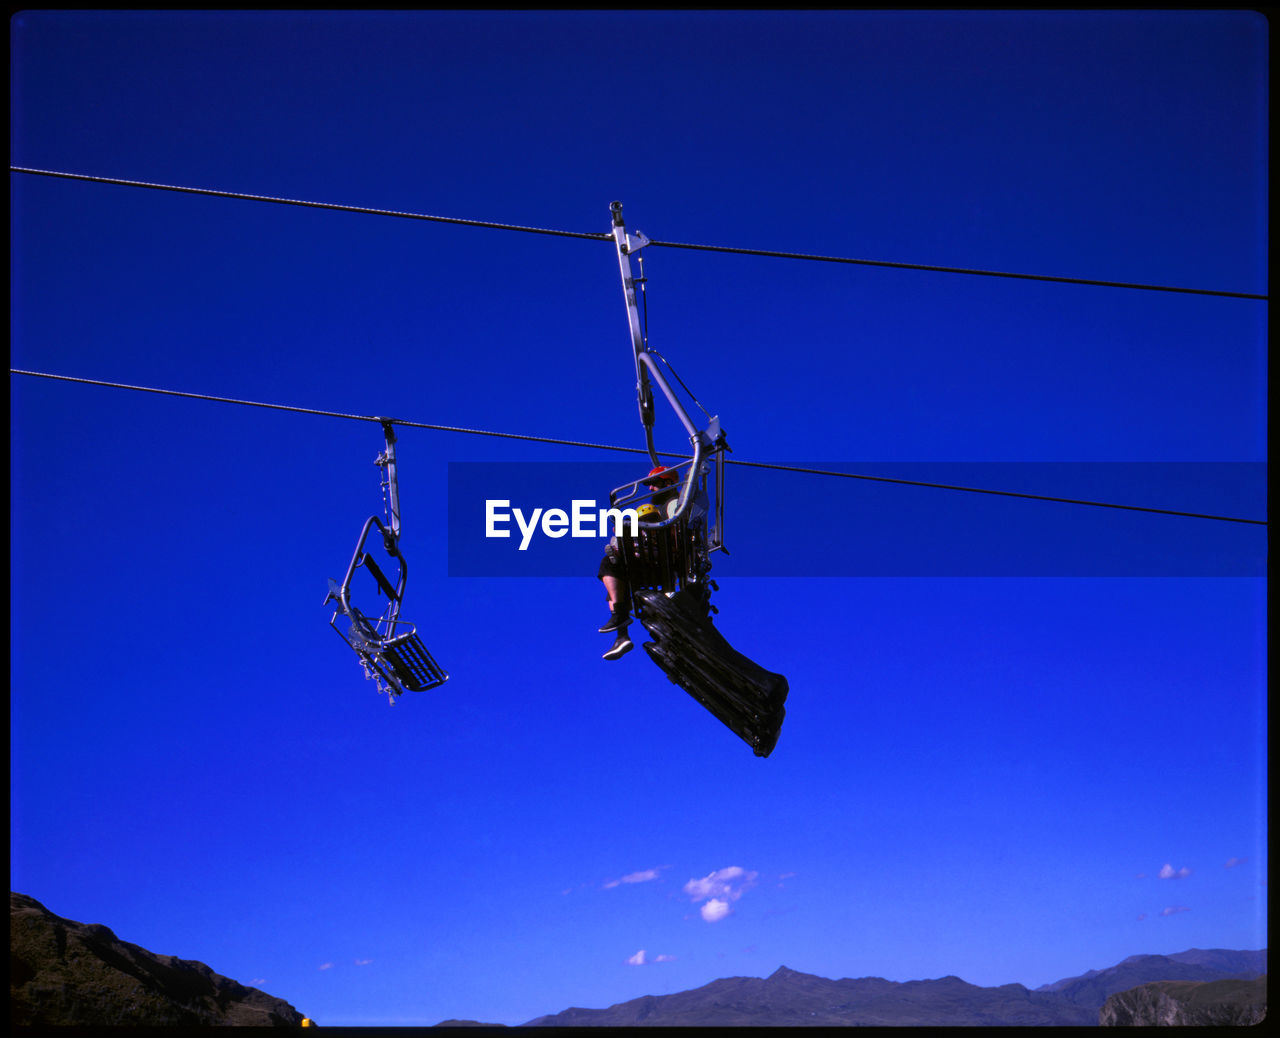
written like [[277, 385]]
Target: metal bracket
[[634, 243]]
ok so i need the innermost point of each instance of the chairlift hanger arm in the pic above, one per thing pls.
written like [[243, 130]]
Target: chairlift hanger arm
[[646, 365], [626, 246], [387, 461], [706, 441]]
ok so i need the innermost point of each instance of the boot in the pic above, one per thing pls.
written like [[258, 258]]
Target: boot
[[621, 646], [618, 620]]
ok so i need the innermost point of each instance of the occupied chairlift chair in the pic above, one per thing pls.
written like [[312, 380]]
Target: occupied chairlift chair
[[667, 565], [392, 654]]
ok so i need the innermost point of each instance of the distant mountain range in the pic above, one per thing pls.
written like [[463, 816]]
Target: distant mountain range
[[64, 972], [1093, 988], [787, 998]]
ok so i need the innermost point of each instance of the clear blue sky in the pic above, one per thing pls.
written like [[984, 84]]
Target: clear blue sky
[[981, 775]]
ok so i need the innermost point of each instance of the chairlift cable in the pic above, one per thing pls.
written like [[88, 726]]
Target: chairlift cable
[[956, 270], [626, 450], [775, 254], [367, 210]]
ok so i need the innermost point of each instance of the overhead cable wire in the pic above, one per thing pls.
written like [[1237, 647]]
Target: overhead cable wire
[[1000, 493], [327, 414], [311, 205], [628, 450], [776, 254], [960, 270]]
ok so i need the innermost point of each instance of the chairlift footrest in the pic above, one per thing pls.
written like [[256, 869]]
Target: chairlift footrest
[[413, 665]]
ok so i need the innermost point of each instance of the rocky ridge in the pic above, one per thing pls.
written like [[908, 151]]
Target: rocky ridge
[[1184, 1003], [62, 972]]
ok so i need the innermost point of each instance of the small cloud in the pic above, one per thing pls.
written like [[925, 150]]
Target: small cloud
[[723, 884], [1231, 863], [363, 962], [1142, 916], [256, 981], [326, 965], [644, 876], [1140, 875], [1169, 872], [715, 910], [641, 958], [1175, 910]]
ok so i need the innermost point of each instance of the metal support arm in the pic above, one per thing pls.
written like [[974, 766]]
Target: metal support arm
[[387, 460], [705, 442]]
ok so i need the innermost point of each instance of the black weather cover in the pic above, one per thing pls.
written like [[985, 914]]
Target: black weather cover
[[695, 656]]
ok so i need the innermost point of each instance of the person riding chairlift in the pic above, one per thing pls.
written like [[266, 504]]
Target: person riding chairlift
[[666, 487]]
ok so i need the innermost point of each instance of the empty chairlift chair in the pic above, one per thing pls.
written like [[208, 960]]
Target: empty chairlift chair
[[389, 649]]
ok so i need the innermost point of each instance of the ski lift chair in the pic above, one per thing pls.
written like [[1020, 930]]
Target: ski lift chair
[[667, 563], [392, 654]]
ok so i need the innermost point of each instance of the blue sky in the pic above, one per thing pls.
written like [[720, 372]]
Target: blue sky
[[983, 774]]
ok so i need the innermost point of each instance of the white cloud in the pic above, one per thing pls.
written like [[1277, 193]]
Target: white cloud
[[363, 962], [641, 958], [723, 884], [1231, 863], [1175, 910], [644, 876], [715, 910], [326, 965], [1169, 872]]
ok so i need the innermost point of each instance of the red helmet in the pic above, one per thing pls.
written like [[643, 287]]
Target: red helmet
[[661, 476]]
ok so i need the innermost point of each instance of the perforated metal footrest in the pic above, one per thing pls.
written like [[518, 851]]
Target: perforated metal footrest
[[414, 666]]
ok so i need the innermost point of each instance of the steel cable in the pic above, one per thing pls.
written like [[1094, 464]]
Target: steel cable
[[628, 450]]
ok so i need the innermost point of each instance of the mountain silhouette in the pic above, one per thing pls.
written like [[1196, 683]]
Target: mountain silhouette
[[788, 998], [62, 972], [1093, 988], [66, 973]]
